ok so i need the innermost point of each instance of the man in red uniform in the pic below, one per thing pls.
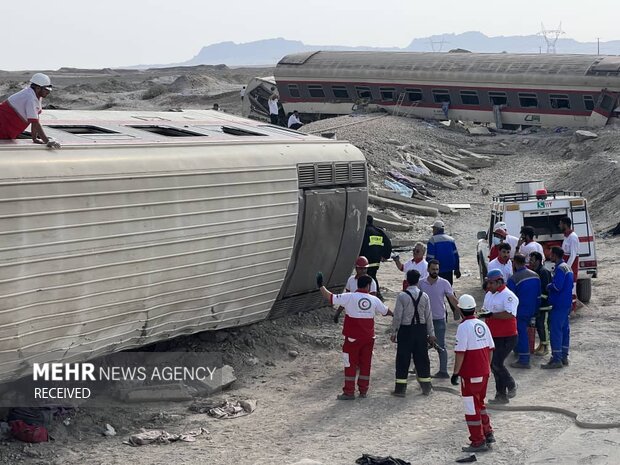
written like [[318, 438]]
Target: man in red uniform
[[22, 109], [570, 246], [358, 331], [473, 348]]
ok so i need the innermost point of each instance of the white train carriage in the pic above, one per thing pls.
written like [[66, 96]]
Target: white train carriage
[[506, 89], [150, 225]]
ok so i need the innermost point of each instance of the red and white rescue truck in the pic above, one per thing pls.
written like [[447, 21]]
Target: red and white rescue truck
[[532, 205]]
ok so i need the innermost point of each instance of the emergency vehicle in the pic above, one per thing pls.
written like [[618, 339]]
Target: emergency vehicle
[[533, 206]]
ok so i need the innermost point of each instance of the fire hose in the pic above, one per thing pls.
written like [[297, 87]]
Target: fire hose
[[539, 408]]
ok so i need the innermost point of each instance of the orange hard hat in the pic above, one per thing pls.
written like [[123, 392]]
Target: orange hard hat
[[361, 262]]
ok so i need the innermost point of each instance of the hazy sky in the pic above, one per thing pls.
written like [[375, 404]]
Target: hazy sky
[[106, 33]]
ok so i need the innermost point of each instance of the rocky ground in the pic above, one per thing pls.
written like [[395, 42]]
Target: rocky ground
[[292, 366]]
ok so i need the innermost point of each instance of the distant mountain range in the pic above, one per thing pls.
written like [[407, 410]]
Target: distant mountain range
[[270, 51]]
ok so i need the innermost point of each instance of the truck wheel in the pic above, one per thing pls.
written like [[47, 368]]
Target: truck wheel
[[584, 290]]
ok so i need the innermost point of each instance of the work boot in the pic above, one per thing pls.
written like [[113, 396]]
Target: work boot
[[441, 375], [400, 390], [489, 438], [476, 448], [427, 388], [512, 392], [363, 395], [345, 397], [518, 364], [565, 361], [551, 365], [500, 399], [542, 349]]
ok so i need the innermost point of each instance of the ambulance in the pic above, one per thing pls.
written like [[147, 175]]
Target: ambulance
[[532, 205]]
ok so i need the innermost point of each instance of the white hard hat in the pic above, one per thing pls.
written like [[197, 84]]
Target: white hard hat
[[467, 302], [500, 225], [439, 224], [41, 79]]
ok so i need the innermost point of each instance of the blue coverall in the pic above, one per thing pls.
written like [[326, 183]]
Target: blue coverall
[[525, 283], [561, 300]]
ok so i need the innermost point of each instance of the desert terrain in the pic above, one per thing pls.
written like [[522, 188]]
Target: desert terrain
[[292, 367]]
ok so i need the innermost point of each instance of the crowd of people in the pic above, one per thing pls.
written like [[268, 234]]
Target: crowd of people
[[520, 293]]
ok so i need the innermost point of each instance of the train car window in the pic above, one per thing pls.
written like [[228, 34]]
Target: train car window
[[387, 94], [340, 92], [441, 96], [560, 102], [316, 91], [293, 90], [498, 98], [414, 95], [588, 102], [528, 100], [168, 131], [363, 92], [82, 129], [470, 97]]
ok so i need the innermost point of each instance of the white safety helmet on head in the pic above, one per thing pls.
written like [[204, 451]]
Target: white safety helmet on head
[[467, 302], [500, 225], [41, 80]]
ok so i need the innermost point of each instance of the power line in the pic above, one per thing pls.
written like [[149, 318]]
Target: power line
[[551, 36]]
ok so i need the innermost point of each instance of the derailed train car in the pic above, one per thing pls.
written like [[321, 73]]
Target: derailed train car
[[150, 225], [509, 90]]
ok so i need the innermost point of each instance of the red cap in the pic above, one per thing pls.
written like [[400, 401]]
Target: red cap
[[361, 262]]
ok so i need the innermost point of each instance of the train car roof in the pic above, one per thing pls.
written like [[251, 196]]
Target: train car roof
[[94, 127], [466, 65]]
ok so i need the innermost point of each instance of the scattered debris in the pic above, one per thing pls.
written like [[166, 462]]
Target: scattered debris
[[399, 187], [582, 135], [252, 361], [224, 408], [162, 437], [459, 206], [479, 131], [293, 353], [367, 459], [222, 378], [423, 203], [109, 430], [400, 205]]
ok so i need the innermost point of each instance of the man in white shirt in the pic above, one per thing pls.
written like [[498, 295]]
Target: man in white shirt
[[273, 108], [500, 233], [527, 244], [417, 263], [22, 109], [570, 246], [242, 93], [503, 261], [293, 121]]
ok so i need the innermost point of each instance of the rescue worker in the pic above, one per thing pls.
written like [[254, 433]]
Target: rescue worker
[[473, 351], [439, 289], [542, 316], [442, 247], [361, 266], [412, 330], [376, 247], [417, 262], [500, 235], [358, 331], [525, 284], [502, 262], [274, 109], [23, 108], [500, 310], [560, 298], [570, 246], [527, 244]]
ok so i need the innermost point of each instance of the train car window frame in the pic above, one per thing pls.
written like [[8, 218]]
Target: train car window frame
[[316, 91], [293, 91], [493, 95], [439, 96], [559, 101], [167, 131], [362, 90], [341, 92], [469, 97], [412, 93], [387, 93], [528, 100], [83, 129], [588, 102]]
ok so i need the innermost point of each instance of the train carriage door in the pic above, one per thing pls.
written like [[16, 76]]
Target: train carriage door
[[603, 109], [581, 226]]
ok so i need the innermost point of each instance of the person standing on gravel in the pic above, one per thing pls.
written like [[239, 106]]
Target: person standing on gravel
[[570, 246], [525, 284], [376, 247], [473, 351], [361, 267], [273, 109], [412, 330], [442, 247], [417, 262], [500, 310], [438, 289], [560, 298], [542, 316], [23, 108], [358, 331]]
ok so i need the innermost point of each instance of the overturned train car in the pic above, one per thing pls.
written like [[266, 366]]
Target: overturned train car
[[508, 90], [146, 226]]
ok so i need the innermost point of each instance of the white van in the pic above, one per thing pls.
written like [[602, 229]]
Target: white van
[[543, 213]]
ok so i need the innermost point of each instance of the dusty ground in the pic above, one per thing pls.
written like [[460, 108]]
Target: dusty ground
[[298, 417]]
